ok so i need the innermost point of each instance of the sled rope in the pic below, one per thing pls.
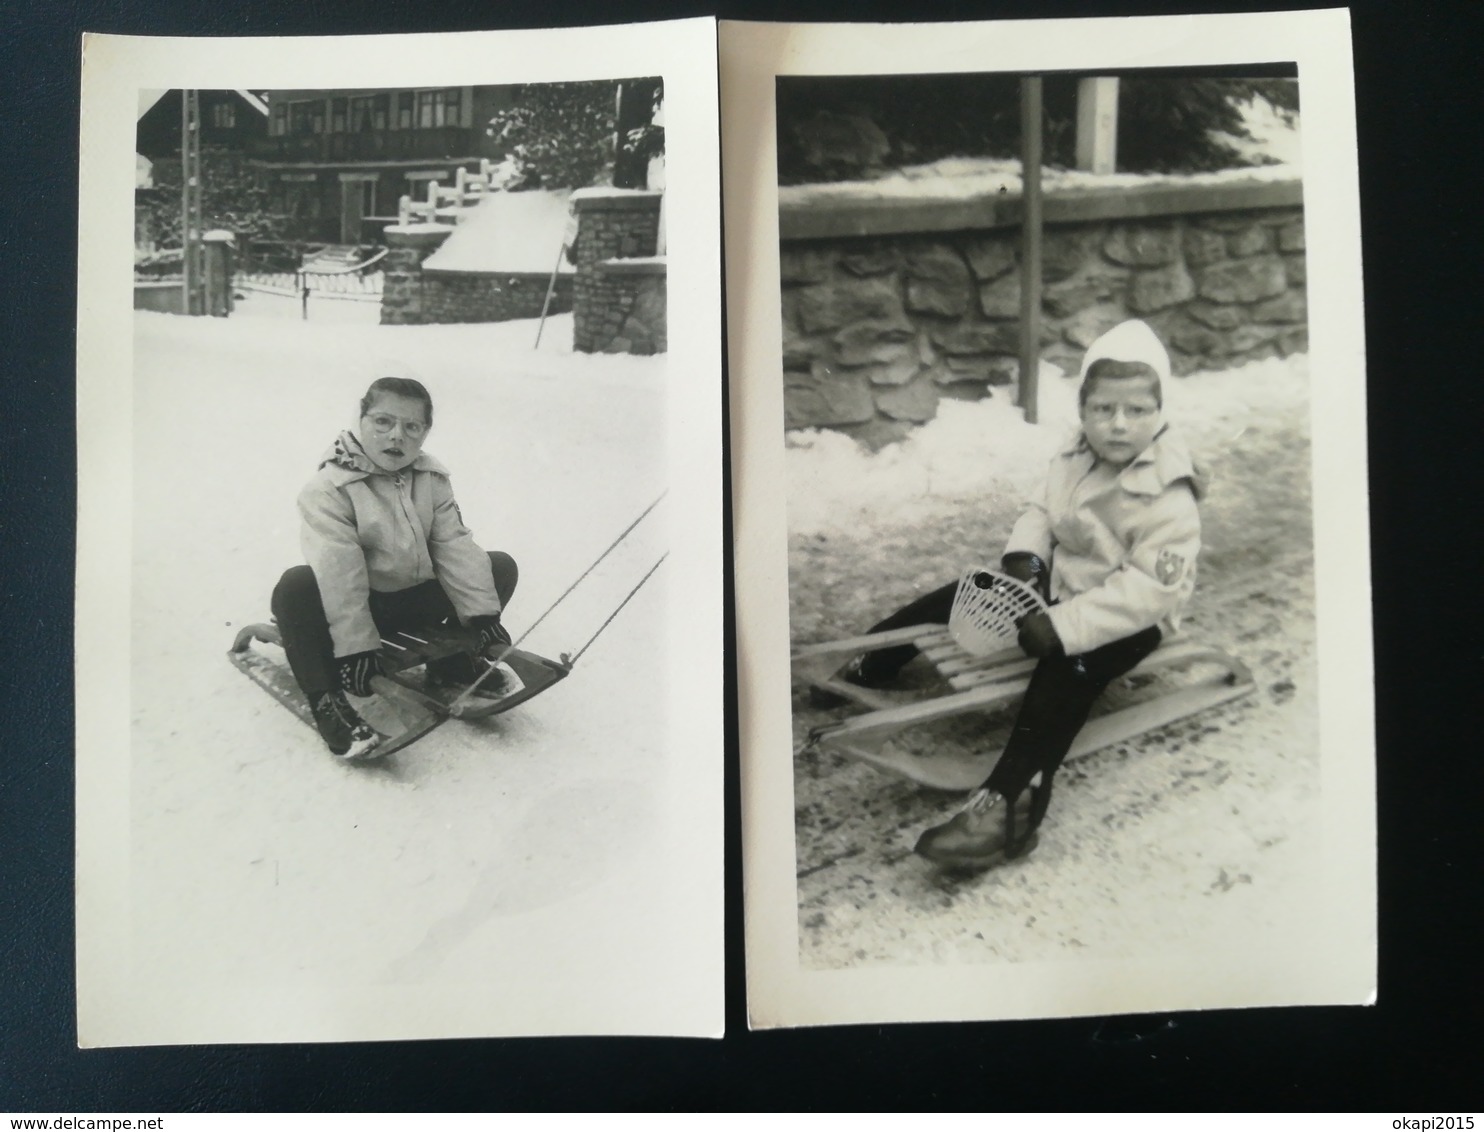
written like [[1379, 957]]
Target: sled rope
[[611, 547], [621, 604]]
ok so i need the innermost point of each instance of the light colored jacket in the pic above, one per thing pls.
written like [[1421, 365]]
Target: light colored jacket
[[365, 529], [1122, 543]]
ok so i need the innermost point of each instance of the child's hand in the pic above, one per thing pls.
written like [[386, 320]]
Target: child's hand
[[1029, 568], [1037, 636], [494, 638]]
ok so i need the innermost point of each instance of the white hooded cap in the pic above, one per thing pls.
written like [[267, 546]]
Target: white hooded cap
[[1131, 341]]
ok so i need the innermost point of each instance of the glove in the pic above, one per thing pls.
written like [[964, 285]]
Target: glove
[[1037, 636], [494, 638], [1029, 568], [356, 671]]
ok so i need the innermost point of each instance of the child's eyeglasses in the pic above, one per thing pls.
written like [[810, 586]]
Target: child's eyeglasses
[[384, 424], [1108, 412]]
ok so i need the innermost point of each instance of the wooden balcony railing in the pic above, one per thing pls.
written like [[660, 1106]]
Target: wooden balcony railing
[[371, 145]]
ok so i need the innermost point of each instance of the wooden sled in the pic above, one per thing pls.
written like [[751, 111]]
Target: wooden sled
[[984, 684], [403, 709]]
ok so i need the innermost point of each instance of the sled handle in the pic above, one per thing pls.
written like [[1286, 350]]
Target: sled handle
[[246, 635]]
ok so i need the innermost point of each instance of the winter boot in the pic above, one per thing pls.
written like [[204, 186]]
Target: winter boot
[[988, 831], [346, 734]]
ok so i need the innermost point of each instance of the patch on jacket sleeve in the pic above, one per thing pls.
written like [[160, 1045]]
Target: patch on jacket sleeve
[[1170, 567]]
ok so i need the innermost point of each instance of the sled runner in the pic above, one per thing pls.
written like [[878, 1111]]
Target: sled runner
[[984, 683], [405, 708]]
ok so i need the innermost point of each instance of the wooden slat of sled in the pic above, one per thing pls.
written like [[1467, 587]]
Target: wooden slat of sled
[[945, 771]]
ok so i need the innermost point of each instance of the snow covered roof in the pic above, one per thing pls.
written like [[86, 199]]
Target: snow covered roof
[[508, 232], [148, 98]]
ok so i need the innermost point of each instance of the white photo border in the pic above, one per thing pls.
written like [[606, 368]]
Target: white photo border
[[1339, 964], [682, 992]]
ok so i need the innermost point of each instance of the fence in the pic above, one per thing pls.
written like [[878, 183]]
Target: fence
[[361, 282]]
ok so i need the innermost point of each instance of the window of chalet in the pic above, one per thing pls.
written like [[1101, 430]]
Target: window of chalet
[[404, 110], [437, 108], [368, 112], [280, 123], [307, 117], [223, 115], [337, 115]]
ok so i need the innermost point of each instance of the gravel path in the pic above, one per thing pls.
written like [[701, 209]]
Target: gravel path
[[1202, 832]]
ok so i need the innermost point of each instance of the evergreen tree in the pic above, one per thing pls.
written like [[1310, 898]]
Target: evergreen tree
[[233, 196], [562, 135], [1167, 123]]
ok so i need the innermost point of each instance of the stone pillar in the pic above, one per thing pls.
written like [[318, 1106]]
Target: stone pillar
[[218, 248], [634, 295], [1097, 124], [612, 224], [402, 291]]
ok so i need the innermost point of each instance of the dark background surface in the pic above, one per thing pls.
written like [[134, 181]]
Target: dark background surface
[[1419, 1050]]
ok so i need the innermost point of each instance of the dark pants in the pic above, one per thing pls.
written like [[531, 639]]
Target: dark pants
[[300, 613], [1057, 703]]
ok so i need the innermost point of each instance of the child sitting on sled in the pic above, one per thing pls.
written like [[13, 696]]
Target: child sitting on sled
[[1111, 542], [387, 550]]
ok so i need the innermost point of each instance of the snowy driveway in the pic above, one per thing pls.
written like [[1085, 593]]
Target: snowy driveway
[[1202, 834], [498, 850]]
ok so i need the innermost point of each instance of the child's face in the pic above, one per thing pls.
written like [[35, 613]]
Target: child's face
[[393, 430], [1120, 417]]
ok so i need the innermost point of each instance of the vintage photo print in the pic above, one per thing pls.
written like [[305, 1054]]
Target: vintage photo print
[[1051, 529], [399, 554]]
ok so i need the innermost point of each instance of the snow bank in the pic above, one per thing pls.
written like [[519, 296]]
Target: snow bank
[[975, 449], [508, 232], [961, 178]]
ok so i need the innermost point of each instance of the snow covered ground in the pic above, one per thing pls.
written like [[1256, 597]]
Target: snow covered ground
[[974, 449], [1200, 835], [527, 851]]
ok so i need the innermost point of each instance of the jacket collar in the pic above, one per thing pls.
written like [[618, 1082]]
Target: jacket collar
[[1166, 461], [346, 461]]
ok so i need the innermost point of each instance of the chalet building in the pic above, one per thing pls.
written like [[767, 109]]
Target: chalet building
[[230, 119], [337, 162]]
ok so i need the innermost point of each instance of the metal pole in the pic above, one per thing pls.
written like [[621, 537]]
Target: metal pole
[[550, 290], [1030, 243]]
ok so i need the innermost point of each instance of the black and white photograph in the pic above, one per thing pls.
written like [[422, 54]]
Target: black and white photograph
[[1047, 464], [419, 582]]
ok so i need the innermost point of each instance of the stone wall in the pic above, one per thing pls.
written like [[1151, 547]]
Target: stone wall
[[627, 308], [412, 293], [165, 296], [882, 322], [489, 296], [618, 306]]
